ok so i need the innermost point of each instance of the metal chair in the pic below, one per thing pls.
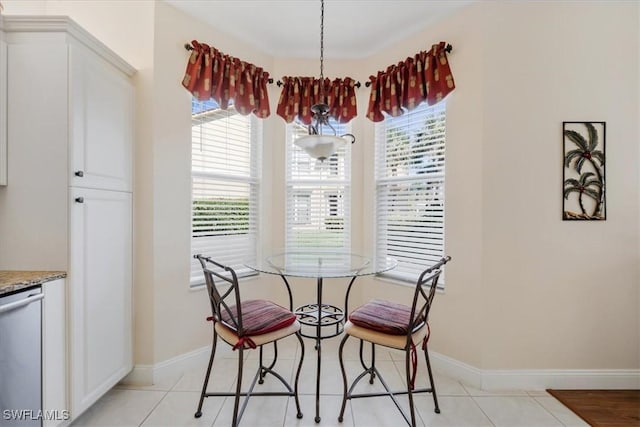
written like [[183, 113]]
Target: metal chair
[[256, 323], [395, 326]]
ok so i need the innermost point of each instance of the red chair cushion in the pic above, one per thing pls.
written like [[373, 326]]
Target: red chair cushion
[[382, 316], [260, 317]]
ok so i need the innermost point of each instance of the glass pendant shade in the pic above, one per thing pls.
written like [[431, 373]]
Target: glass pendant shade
[[320, 147]]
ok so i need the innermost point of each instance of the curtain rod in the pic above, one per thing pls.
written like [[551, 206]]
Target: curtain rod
[[280, 83]]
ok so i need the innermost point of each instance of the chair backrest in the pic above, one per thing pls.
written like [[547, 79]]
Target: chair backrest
[[423, 296], [223, 304]]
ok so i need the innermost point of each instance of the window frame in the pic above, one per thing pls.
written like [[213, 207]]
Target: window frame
[[253, 180], [334, 181], [401, 274]]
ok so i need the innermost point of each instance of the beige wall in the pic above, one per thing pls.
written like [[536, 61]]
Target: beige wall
[[180, 313], [571, 286], [525, 290], [638, 193], [457, 316]]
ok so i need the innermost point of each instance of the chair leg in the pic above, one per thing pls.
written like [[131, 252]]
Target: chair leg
[[361, 354], [198, 413], [235, 421], [261, 380], [433, 384], [344, 376], [373, 363], [275, 355], [409, 390], [264, 369], [299, 414]]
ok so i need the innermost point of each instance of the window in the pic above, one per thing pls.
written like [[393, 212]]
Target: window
[[410, 153], [318, 195], [225, 186]]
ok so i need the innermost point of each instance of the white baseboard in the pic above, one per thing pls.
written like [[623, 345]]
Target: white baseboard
[[140, 375], [147, 375], [535, 379], [527, 379], [542, 379], [453, 368]]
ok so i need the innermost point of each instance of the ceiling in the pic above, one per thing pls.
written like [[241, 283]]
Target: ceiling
[[291, 28]]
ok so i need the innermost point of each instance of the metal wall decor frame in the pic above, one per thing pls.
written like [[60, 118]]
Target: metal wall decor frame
[[583, 174]]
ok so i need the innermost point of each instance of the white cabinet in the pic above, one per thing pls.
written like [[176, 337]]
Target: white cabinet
[[70, 109], [54, 352], [3, 107], [100, 314], [102, 123]]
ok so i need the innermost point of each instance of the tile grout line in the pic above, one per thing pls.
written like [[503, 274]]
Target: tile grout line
[[549, 412], [163, 398], [224, 401], [404, 379], [473, 399], [166, 393], [286, 410], [353, 417]]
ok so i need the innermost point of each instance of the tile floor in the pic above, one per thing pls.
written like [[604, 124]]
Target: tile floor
[[174, 402]]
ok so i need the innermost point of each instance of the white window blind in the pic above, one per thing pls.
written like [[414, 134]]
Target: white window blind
[[410, 154], [318, 202], [225, 187]]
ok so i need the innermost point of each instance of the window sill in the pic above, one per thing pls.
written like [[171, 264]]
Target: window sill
[[197, 286], [406, 283]]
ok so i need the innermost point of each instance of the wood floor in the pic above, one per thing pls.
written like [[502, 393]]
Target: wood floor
[[603, 408]]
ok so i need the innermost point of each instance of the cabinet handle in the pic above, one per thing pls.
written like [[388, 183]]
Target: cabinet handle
[[79, 173], [79, 199]]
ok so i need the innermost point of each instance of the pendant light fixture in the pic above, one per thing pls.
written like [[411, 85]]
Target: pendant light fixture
[[316, 143]]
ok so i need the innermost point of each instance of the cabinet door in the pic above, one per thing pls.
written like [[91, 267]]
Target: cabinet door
[[101, 122], [54, 351], [3, 110], [100, 293]]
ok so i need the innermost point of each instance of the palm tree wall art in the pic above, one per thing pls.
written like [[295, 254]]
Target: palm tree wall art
[[584, 171]]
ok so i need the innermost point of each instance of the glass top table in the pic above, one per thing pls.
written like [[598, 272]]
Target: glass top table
[[320, 264]]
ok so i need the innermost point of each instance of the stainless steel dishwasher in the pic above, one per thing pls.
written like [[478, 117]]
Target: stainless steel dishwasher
[[21, 358]]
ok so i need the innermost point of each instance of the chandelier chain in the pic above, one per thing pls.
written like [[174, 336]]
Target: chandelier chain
[[321, 39], [315, 144], [322, 50]]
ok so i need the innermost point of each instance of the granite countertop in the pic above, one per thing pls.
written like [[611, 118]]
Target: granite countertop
[[13, 280]]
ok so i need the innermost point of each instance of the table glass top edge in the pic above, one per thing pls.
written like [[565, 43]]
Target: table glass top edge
[[325, 264]]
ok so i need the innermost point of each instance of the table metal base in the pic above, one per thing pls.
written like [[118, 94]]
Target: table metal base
[[319, 316], [330, 317]]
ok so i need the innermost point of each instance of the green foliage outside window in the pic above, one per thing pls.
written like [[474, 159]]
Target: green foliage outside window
[[220, 216]]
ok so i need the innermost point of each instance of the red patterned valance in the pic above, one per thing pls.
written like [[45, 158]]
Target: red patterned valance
[[424, 77], [300, 93], [212, 74]]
